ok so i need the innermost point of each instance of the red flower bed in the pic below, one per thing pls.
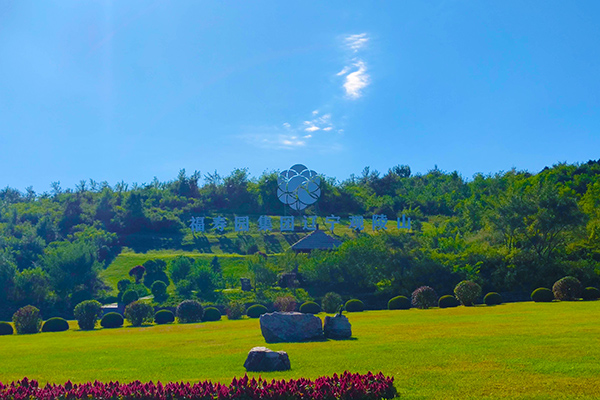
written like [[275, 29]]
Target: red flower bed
[[346, 386]]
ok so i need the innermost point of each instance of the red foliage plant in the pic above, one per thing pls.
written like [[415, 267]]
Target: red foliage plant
[[346, 386]]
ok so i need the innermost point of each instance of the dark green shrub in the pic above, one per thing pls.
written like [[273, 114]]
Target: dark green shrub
[[55, 324], [492, 299], [87, 314], [211, 314], [542, 295], [123, 284], [27, 320], [112, 320], [6, 329], [130, 296], [310, 307], [467, 292], [139, 312], [256, 310], [447, 301], [591, 293], [164, 316], [331, 302], [567, 289], [399, 303], [235, 310], [159, 290], [189, 311], [354, 305], [424, 297]]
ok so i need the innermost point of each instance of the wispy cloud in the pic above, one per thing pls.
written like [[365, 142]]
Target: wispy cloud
[[356, 42], [356, 76]]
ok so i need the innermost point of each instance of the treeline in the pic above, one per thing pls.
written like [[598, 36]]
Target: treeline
[[510, 231]]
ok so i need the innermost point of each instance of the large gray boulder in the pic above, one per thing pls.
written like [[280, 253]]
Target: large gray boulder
[[337, 327], [290, 327], [262, 359]]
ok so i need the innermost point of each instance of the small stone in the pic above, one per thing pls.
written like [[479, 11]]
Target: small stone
[[261, 359], [337, 327], [290, 327]]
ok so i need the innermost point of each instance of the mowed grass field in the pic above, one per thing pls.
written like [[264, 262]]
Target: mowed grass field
[[519, 350]]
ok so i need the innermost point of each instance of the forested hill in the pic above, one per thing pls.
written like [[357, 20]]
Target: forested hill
[[513, 226]]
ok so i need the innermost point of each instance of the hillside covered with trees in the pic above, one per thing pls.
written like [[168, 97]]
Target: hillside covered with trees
[[510, 231]]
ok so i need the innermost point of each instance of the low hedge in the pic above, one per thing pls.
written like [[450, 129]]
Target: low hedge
[[164, 316], [542, 295], [256, 310], [354, 305], [591, 293], [6, 329], [112, 320], [211, 314], [310, 307], [492, 299], [447, 301], [399, 303], [55, 324]]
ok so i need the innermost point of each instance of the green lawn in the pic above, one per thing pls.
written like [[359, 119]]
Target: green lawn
[[521, 350]]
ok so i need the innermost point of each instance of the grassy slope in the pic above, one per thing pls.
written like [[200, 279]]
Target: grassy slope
[[233, 265], [223, 246], [521, 350]]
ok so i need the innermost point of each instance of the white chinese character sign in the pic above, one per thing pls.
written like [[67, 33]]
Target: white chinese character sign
[[298, 187]]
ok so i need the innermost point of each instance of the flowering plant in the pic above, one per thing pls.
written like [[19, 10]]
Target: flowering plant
[[345, 386]]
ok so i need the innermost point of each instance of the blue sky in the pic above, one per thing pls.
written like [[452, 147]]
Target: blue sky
[[132, 90]]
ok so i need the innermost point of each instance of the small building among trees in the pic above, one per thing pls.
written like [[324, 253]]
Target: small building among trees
[[317, 240]]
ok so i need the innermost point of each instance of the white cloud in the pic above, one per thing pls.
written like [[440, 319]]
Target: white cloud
[[356, 42], [328, 128], [286, 125], [344, 71], [312, 128], [355, 75], [315, 112]]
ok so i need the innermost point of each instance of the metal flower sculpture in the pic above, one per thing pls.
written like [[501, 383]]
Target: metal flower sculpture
[[298, 187]]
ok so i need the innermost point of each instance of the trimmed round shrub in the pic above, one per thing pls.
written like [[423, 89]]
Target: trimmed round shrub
[[567, 289], [591, 293], [447, 301], [542, 295], [159, 290], [211, 314], [27, 320], [331, 302], [235, 310], [354, 305], [424, 297], [189, 311], [310, 307], [123, 284], [112, 320], [467, 292], [164, 316], [55, 324], [139, 312], [399, 303], [492, 299], [6, 329], [256, 310], [130, 296], [87, 313]]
